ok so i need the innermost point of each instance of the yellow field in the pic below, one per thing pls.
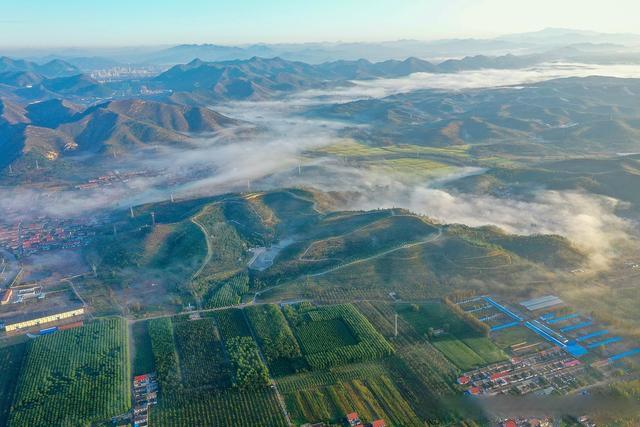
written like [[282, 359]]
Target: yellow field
[[351, 148]]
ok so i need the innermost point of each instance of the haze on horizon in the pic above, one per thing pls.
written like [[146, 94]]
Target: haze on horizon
[[74, 23]]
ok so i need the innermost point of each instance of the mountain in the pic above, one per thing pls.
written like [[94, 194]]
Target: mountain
[[20, 79], [51, 69], [251, 79], [572, 115], [258, 78], [51, 113], [11, 114], [57, 128], [566, 36]]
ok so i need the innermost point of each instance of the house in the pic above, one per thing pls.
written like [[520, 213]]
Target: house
[[464, 379], [509, 423], [378, 423], [474, 391], [353, 419]]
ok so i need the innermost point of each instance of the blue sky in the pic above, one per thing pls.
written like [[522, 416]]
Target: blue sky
[[45, 23]]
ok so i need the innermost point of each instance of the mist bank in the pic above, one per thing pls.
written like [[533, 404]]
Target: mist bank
[[285, 154]]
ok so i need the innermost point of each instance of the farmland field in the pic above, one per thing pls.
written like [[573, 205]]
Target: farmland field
[[142, 354], [323, 334], [210, 373], [459, 342], [225, 408], [10, 363], [368, 343], [202, 361], [164, 354], [227, 292], [420, 371], [275, 337], [231, 323], [75, 377], [373, 398]]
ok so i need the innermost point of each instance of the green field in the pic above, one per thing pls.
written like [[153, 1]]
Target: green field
[[306, 320], [10, 363], [165, 354], [75, 377], [276, 340], [319, 335], [227, 292], [210, 373], [372, 398], [143, 356], [232, 323], [424, 374], [230, 408], [459, 342], [202, 359]]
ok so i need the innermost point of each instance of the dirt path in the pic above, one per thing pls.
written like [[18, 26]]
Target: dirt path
[[428, 240]]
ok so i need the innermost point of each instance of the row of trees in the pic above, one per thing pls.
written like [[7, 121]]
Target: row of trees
[[476, 324]]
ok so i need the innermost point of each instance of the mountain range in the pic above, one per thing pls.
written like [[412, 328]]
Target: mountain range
[[57, 128]]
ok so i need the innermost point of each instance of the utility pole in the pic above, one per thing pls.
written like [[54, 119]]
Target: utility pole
[[37, 164], [10, 169], [131, 210], [172, 201], [153, 219], [299, 169]]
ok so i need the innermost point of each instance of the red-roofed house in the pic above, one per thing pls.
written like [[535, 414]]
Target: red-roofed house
[[378, 423], [474, 391], [498, 375], [509, 423], [353, 419], [464, 380]]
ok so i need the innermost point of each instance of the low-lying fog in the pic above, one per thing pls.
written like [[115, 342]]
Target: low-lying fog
[[270, 159]]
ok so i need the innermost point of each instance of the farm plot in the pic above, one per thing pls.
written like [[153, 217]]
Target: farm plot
[[457, 340], [315, 379], [373, 397], [227, 292], [10, 363], [229, 408], [421, 372], [142, 354], [231, 323], [74, 377], [275, 338], [202, 361], [311, 328], [207, 380], [165, 354]]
